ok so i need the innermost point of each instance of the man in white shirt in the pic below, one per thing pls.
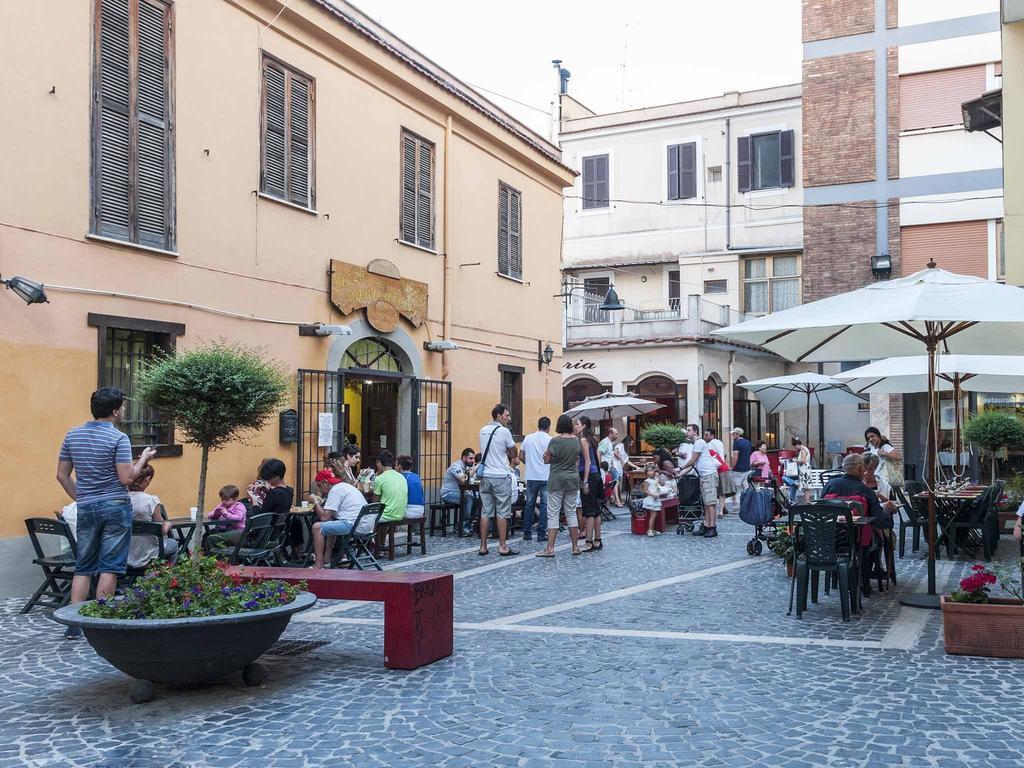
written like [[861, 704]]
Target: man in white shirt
[[344, 503], [716, 445], [534, 446], [707, 470], [497, 449]]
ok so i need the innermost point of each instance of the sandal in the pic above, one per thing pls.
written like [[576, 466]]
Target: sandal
[[599, 546], [485, 552], [545, 553], [576, 551], [507, 553]]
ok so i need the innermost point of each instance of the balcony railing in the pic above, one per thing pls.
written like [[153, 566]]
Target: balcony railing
[[691, 316]]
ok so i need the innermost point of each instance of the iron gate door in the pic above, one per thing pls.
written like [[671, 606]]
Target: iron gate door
[[431, 434], [318, 392]]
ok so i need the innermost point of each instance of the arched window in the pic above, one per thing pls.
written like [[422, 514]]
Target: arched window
[[662, 390], [712, 416], [575, 392], [372, 354]]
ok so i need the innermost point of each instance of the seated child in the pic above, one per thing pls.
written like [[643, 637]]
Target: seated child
[[233, 513], [146, 506]]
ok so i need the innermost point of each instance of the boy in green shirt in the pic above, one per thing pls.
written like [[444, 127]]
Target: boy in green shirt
[[390, 488]]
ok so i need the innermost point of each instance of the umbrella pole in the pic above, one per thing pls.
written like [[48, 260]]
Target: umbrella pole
[[808, 425], [957, 467], [932, 459]]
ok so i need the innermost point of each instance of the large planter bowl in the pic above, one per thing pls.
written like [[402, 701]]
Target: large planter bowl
[[995, 628], [183, 652]]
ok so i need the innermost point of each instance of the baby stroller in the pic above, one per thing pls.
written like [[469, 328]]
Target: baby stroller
[[606, 510], [760, 506], [691, 505]]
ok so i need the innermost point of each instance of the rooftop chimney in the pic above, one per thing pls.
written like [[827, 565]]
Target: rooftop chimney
[[563, 76]]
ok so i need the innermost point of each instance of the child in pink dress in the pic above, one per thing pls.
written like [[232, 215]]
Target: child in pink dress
[[230, 509]]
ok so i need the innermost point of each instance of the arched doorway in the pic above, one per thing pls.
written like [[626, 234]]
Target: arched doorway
[[664, 391], [376, 379], [746, 410], [711, 417], [578, 390]]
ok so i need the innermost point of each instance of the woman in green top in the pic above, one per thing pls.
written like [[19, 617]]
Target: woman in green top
[[563, 483]]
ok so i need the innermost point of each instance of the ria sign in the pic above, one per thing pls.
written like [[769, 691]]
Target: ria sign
[[579, 365]]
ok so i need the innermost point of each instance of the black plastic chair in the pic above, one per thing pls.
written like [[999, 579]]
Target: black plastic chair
[[817, 552], [914, 514], [144, 528], [355, 545], [58, 570], [259, 544], [977, 518]]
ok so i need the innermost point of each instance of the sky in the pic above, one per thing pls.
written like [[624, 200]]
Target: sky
[[673, 50]]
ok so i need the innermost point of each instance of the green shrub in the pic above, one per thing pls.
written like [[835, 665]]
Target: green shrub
[[663, 434], [993, 431]]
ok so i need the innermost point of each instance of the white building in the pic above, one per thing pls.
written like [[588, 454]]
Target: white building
[[692, 211]]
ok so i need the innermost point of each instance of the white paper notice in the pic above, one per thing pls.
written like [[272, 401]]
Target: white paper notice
[[383, 441], [431, 417], [325, 430]]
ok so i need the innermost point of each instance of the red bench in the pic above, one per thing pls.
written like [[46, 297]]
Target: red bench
[[418, 617]]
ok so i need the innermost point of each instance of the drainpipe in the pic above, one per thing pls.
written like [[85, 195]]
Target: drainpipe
[[728, 182], [446, 309]]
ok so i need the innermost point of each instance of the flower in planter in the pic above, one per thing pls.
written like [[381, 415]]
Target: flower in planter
[[189, 588], [975, 587]]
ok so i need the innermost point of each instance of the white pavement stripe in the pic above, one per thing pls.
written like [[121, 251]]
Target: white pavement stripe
[[906, 630], [624, 592], [646, 634]]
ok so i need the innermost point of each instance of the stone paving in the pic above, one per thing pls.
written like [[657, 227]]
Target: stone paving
[[707, 670]]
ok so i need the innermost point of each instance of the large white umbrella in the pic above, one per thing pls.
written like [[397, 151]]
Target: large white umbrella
[[801, 390], [931, 309], [609, 406], [955, 373]]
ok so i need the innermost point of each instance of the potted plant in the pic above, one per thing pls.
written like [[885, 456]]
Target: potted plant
[[187, 624], [213, 395], [782, 546], [663, 434], [994, 432], [976, 624]]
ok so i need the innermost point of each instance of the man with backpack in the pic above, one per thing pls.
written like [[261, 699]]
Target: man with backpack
[[497, 450]]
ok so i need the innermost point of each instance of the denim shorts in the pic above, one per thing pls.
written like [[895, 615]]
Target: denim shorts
[[104, 533], [336, 527]]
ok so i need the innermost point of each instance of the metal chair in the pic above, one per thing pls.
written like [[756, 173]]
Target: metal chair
[[259, 544], [355, 545], [144, 528], [59, 569]]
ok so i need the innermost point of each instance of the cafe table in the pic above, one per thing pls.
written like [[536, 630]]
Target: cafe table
[[182, 529], [948, 507]]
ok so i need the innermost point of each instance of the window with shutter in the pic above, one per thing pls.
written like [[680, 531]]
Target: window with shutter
[[682, 171], [595, 182], [510, 248], [287, 105], [743, 163], [132, 123], [766, 161], [416, 217]]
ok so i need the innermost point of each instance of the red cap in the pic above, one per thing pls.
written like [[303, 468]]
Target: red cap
[[326, 476]]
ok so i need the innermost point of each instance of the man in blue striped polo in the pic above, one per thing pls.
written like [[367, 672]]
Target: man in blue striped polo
[[101, 457]]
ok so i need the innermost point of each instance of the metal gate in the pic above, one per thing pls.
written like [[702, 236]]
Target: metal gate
[[431, 434], [319, 392], [430, 429]]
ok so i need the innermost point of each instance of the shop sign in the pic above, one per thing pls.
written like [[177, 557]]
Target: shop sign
[[579, 365], [381, 291]]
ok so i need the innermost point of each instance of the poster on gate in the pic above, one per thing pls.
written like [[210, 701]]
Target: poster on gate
[[325, 430], [431, 417]]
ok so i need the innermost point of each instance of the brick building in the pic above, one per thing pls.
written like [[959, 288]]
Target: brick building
[[888, 170]]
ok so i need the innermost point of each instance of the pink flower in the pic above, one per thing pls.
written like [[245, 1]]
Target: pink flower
[[977, 568]]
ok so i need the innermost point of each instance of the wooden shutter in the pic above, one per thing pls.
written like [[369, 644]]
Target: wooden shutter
[[503, 221], [687, 170], [933, 99], [786, 158], [515, 243], [588, 182], [288, 129], [743, 165], [957, 246], [154, 127], [673, 172], [601, 181], [299, 191], [408, 213], [424, 196], [112, 132]]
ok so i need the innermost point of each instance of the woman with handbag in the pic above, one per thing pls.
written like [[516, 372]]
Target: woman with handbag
[[797, 472], [889, 457]]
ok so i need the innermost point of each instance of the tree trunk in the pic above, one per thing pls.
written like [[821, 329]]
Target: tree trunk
[[197, 534], [993, 468]]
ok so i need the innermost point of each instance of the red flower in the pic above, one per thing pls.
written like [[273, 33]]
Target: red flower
[[977, 568], [174, 582]]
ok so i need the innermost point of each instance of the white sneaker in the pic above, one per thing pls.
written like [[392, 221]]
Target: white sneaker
[[651, 534]]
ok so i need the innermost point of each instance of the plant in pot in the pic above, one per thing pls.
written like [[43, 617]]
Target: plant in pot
[[782, 546], [994, 432], [663, 434], [974, 623], [213, 395], [187, 624]]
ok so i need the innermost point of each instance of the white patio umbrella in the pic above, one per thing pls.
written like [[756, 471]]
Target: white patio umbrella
[[609, 406], [955, 373], [930, 309], [801, 390]]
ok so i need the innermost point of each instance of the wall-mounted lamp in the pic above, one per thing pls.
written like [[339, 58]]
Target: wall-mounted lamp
[[30, 291], [443, 345], [881, 266], [544, 356], [320, 329], [611, 301]]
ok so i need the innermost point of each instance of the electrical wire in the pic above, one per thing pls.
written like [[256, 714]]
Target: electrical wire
[[509, 98], [780, 206]]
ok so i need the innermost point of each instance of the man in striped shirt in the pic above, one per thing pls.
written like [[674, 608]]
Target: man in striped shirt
[[101, 457]]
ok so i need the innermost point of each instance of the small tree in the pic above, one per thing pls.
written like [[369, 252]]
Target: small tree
[[213, 395], [993, 431], [663, 434]]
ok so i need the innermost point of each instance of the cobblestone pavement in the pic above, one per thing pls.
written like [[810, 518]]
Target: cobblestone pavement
[[670, 651]]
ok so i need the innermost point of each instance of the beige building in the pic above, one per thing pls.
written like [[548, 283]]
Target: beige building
[[1012, 103], [182, 172]]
